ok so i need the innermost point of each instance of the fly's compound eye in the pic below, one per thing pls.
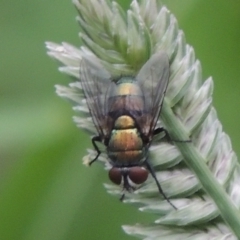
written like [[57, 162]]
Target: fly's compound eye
[[138, 175], [115, 175]]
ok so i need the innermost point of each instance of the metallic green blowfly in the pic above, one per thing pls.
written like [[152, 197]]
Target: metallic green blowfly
[[125, 113]]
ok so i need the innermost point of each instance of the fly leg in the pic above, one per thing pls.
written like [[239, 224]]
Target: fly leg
[[94, 140], [151, 170], [159, 130], [122, 197]]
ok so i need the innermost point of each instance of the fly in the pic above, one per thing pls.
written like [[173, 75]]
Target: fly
[[125, 113]]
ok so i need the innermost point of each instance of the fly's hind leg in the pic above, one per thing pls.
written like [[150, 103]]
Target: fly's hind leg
[[94, 140], [159, 130], [151, 170]]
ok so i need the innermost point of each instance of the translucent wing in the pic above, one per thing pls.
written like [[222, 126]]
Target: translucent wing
[[96, 82], [153, 80]]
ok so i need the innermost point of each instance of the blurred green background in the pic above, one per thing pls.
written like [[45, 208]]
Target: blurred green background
[[45, 191]]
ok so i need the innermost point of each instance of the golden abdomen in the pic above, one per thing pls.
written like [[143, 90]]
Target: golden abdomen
[[125, 144], [126, 157], [125, 140]]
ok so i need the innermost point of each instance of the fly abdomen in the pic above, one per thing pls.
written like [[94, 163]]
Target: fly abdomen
[[125, 140], [125, 158], [125, 144]]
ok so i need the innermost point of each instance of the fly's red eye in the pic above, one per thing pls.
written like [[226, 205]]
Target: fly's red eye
[[115, 175], [138, 175]]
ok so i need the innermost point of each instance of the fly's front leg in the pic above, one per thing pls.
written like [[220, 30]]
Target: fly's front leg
[[159, 130], [94, 140], [151, 170]]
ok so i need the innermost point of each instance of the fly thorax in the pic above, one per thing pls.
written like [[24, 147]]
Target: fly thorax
[[127, 86], [125, 144], [124, 122], [126, 98]]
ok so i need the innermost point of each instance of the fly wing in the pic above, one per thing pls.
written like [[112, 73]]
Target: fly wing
[[153, 80], [96, 82]]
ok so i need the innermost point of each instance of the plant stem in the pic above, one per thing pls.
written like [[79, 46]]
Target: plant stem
[[196, 162]]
